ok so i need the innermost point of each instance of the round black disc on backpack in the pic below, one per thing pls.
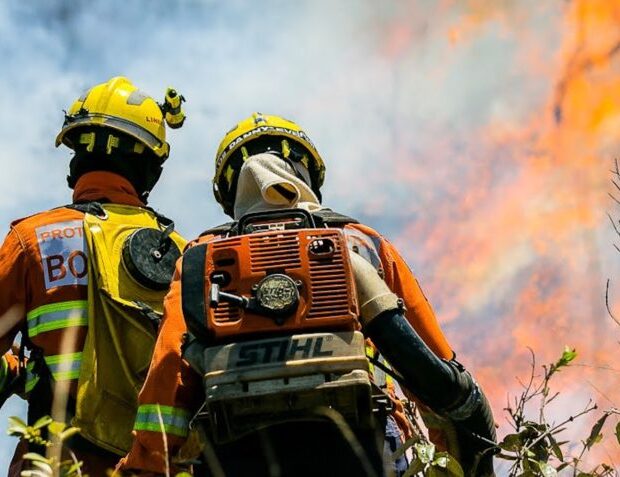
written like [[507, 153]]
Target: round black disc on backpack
[[149, 257]]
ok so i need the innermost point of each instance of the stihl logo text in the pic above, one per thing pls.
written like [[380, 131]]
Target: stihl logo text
[[277, 351]]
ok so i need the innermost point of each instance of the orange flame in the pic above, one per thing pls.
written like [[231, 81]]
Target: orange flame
[[518, 258]]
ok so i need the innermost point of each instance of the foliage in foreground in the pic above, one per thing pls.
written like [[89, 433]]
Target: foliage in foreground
[[534, 448], [53, 465], [423, 456]]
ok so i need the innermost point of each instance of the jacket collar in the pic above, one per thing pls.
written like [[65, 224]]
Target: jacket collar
[[106, 187]]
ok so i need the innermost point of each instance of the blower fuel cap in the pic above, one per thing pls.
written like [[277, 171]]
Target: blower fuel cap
[[149, 255]]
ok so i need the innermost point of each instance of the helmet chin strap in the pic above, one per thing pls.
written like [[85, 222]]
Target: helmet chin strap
[[142, 169], [151, 179]]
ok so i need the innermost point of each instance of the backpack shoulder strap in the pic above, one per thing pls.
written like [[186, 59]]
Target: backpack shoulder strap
[[329, 218], [193, 289], [96, 208], [322, 218], [222, 229], [161, 218], [92, 208]]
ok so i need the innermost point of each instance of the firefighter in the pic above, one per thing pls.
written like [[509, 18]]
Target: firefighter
[[267, 163], [61, 267]]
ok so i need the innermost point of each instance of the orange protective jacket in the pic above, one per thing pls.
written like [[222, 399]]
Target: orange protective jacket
[[43, 292], [173, 391]]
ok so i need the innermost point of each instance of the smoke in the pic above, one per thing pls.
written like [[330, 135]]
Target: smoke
[[476, 135]]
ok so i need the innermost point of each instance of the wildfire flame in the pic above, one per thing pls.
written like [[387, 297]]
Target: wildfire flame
[[518, 247]]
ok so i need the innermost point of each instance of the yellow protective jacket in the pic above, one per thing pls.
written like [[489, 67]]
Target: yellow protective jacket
[[44, 292]]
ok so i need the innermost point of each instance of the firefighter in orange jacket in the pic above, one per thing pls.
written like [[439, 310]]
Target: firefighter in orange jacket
[[268, 163], [118, 136]]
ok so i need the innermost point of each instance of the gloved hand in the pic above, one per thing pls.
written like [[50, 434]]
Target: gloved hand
[[475, 433]]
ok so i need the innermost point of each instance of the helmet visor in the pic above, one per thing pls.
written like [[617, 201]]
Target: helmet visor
[[116, 123]]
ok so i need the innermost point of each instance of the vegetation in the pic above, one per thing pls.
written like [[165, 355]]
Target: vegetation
[[533, 448], [58, 432]]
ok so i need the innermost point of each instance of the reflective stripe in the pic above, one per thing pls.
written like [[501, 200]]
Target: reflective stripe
[[379, 377], [176, 420], [56, 316], [64, 366], [4, 371], [370, 353]]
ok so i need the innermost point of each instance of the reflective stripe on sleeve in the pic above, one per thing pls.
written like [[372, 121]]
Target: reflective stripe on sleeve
[[175, 420], [64, 366], [56, 316]]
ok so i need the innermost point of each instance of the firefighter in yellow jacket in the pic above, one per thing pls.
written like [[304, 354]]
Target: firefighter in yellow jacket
[[268, 176], [72, 281]]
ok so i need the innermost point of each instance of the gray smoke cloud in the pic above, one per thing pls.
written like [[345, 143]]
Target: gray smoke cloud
[[323, 64]]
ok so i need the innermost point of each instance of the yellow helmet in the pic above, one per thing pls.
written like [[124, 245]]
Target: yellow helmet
[[285, 135], [119, 105]]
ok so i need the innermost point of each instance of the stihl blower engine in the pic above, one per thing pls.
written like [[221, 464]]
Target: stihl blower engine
[[273, 317]]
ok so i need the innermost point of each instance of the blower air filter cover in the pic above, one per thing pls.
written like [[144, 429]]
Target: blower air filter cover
[[149, 260]]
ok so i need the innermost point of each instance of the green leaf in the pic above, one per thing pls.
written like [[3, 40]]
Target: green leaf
[[568, 355], [454, 468], [405, 446], [555, 448], [16, 431], [43, 467], [595, 434], [512, 442], [32, 473], [541, 450], [42, 422], [36, 457], [183, 474], [431, 472], [17, 427], [415, 468], [425, 452], [441, 461], [73, 470], [64, 435], [17, 422], [546, 470]]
